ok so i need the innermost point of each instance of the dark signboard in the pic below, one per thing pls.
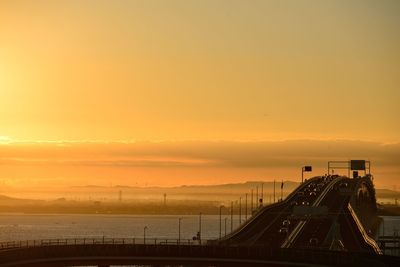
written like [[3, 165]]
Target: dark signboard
[[357, 165], [307, 168]]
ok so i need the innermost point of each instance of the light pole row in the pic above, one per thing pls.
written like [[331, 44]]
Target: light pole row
[[259, 203]]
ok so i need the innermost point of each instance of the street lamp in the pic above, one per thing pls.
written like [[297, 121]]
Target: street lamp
[[231, 216], [257, 197], [240, 210], [262, 195], [225, 224], [220, 221], [179, 230], [199, 234], [245, 210], [251, 206], [144, 234], [303, 170]]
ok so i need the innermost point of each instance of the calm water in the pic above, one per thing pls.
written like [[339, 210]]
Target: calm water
[[29, 227], [390, 226]]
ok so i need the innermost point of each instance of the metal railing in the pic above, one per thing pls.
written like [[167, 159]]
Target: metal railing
[[172, 248], [97, 241]]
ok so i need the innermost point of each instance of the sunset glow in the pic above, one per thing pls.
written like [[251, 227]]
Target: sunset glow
[[166, 93]]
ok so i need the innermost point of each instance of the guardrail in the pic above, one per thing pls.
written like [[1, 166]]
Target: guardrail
[[63, 252], [97, 241], [364, 234]]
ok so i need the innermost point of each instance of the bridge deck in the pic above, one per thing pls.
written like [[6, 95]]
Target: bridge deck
[[199, 255]]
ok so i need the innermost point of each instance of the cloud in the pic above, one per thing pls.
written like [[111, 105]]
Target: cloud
[[219, 154]]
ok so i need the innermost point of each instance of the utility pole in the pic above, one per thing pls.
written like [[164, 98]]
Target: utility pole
[[274, 191]]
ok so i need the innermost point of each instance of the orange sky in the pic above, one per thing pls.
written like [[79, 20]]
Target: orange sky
[[164, 72]]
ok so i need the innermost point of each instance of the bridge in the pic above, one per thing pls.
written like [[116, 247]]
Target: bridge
[[327, 221], [104, 252], [320, 214]]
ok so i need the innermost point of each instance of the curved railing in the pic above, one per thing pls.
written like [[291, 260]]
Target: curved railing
[[364, 234]]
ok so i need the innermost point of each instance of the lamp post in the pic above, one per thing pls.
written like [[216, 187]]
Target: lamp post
[[144, 234], [256, 197], [251, 206], [200, 228], [220, 221], [231, 216], [240, 210], [274, 191], [179, 230], [303, 170], [245, 209], [225, 224], [262, 195]]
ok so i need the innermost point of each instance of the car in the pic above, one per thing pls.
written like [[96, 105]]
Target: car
[[305, 203], [343, 185], [301, 194], [313, 194], [294, 203], [286, 223], [283, 230], [314, 241]]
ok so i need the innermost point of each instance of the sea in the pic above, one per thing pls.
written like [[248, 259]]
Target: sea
[[21, 227]]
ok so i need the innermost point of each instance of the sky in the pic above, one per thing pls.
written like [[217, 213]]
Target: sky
[[127, 83]]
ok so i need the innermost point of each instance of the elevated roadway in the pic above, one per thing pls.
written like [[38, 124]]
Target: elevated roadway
[[266, 226], [67, 253], [317, 215]]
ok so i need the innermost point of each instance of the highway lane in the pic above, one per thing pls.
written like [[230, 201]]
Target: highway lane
[[328, 184], [317, 232], [341, 223], [266, 218], [266, 228]]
